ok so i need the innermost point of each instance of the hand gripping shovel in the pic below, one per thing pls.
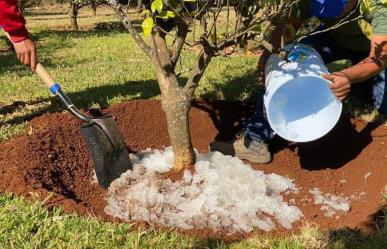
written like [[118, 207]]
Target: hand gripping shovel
[[102, 136]]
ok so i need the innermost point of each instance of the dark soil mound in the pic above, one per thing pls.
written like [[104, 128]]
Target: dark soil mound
[[52, 158]]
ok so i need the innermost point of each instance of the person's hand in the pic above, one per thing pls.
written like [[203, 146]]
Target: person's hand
[[339, 83], [261, 66], [26, 53]]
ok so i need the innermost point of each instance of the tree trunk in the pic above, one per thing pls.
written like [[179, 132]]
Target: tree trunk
[[74, 15], [176, 105]]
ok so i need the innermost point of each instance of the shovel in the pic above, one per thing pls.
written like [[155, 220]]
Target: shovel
[[103, 139]]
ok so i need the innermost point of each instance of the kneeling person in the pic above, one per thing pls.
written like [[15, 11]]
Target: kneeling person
[[362, 41]]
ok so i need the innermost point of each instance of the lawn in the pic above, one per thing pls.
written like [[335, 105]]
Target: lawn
[[99, 66]]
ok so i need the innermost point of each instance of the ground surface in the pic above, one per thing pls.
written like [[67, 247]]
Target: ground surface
[[51, 157]]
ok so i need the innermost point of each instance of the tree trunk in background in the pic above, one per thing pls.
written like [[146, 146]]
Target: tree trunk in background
[[246, 15], [139, 6], [74, 15], [93, 7], [203, 23], [21, 5]]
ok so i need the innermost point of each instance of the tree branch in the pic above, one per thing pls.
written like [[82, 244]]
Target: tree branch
[[129, 26], [162, 56], [204, 59], [178, 43]]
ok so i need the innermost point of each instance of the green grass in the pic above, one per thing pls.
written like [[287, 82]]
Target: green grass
[[26, 224], [99, 67], [9, 131]]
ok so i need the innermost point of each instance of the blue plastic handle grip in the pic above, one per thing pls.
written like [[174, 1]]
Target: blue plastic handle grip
[[55, 88]]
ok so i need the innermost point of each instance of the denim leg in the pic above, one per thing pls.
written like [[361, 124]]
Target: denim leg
[[257, 128], [379, 92], [373, 91]]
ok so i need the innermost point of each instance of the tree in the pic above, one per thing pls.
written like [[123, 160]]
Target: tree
[[23, 4], [176, 19], [76, 5]]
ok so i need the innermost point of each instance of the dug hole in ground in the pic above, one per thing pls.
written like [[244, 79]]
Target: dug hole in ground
[[335, 182]]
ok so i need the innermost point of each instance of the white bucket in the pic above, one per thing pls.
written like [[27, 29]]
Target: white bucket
[[299, 103]]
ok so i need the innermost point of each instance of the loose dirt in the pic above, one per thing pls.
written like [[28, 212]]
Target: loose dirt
[[51, 158]]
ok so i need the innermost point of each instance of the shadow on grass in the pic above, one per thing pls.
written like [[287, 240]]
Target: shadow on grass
[[373, 236], [62, 39], [355, 239], [378, 220], [237, 86], [28, 13], [84, 99], [60, 16], [98, 30], [9, 62], [117, 26]]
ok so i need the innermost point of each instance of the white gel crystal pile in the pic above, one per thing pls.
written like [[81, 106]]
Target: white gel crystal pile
[[330, 204], [223, 194]]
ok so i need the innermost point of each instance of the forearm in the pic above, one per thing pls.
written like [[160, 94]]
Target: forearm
[[373, 64], [364, 70]]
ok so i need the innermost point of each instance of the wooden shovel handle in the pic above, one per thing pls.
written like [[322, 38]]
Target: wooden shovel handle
[[44, 76]]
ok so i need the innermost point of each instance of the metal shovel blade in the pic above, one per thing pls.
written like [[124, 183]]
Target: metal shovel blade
[[107, 148]]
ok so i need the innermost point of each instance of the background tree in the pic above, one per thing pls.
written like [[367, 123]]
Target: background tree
[[76, 5], [177, 19], [23, 4]]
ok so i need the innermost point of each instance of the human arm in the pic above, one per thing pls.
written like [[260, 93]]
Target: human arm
[[370, 66], [340, 82], [13, 23]]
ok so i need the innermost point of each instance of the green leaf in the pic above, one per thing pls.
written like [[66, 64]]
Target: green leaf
[[147, 26], [146, 12], [157, 5], [165, 15], [171, 14]]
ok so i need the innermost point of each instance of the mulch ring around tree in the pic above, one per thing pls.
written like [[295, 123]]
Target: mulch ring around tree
[[51, 158]]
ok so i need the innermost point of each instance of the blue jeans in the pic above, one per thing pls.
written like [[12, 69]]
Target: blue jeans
[[258, 129]]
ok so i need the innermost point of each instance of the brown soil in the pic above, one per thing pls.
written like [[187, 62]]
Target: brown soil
[[52, 158]]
